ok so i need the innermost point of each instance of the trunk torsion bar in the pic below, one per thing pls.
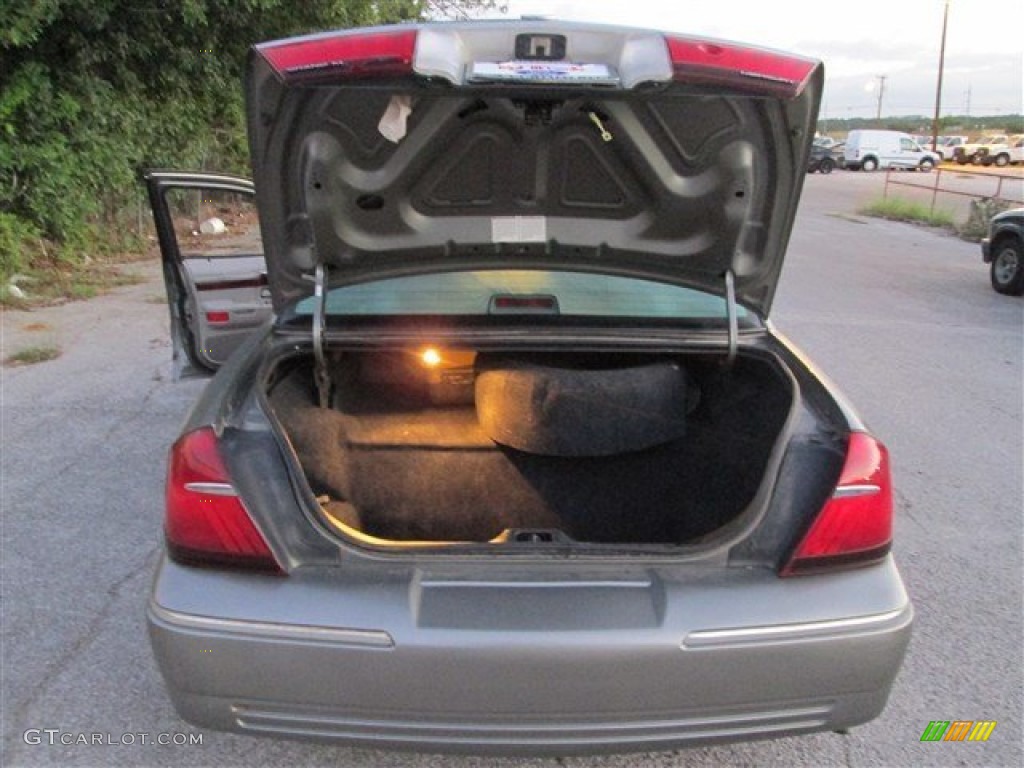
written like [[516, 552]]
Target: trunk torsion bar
[[730, 310], [323, 378]]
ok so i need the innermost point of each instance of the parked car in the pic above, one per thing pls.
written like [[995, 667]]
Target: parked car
[[822, 158], [870, 150], [214, 264], [839, 154], [1002, 151], [1003, 248], [520, 465]]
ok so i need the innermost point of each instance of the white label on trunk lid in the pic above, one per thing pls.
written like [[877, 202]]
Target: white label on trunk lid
[[519, 229]]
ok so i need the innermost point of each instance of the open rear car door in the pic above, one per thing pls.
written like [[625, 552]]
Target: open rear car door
[[213, 264]]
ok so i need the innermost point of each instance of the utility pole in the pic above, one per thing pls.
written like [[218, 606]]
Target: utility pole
[[938, 88], [881, 92]]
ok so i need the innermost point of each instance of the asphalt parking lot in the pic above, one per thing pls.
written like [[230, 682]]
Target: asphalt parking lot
[[901, 316]]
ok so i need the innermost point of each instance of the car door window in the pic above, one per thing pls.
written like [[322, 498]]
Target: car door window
[[214, 223]]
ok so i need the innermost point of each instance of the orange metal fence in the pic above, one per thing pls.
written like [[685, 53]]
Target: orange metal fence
[[998, 183]]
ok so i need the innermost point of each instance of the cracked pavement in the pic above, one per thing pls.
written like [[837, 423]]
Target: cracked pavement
[[903, 318]]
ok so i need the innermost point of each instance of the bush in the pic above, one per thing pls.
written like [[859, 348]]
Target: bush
[[94, 90], [18, 242], [901, 209], [981, 213]]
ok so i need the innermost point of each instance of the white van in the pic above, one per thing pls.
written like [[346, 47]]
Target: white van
[[887, 149]]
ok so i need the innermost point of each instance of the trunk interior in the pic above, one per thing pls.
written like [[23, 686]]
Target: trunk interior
[[455, 446]]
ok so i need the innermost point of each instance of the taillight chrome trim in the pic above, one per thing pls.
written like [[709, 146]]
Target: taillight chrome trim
[[213, 489], [846, 491]]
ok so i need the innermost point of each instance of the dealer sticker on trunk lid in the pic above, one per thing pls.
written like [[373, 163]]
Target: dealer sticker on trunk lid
[[542, 72]]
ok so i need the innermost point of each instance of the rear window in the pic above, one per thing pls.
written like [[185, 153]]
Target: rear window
[[557, 293]]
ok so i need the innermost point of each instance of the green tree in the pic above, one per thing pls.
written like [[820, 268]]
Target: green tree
[[91, 90]]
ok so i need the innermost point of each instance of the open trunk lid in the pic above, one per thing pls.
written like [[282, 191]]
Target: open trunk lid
[[389, 151]]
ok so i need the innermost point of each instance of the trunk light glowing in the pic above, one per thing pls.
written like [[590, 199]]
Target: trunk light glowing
[[431, 357]]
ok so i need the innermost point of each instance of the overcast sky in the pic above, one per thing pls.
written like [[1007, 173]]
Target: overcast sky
[[858, 40]]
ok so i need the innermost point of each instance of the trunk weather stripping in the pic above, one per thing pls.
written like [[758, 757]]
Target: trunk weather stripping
[[323, 378], [730, 309]]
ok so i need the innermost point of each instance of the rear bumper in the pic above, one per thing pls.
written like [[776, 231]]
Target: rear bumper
[[702, 667]]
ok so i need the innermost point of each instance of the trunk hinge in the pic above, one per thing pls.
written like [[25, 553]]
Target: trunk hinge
[[320, 374], [730, 311]]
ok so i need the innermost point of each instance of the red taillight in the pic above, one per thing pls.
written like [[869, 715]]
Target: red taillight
[[752, 70], [206, 522], [855, 525], [345, 55], [218, 317]]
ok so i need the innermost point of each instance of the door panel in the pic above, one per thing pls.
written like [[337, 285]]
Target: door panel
[[214, 269]]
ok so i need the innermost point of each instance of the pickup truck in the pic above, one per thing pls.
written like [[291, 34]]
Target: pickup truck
[[1002, 152], [969, 152], [947, 145]]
